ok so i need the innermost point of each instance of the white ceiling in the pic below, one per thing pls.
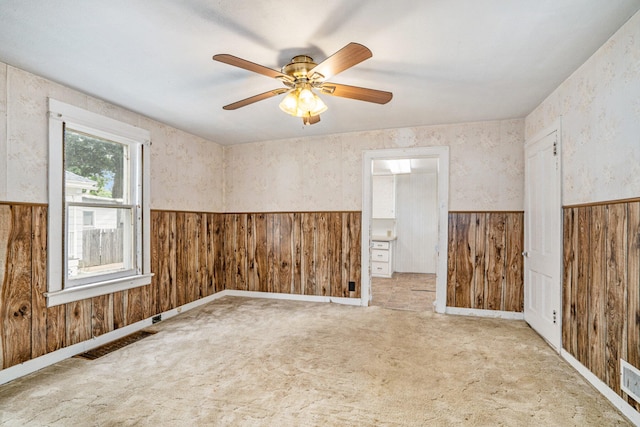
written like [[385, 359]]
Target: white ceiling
[[446, 61]]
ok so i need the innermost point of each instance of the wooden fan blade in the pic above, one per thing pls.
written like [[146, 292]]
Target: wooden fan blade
[[355, 92], [251, 66], [347, 57], [311, 120], [255, 98]]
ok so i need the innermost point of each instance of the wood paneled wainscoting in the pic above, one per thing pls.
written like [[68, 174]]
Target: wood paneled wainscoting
[[601, 288], [485, 266], [305, 253], [193, 255]]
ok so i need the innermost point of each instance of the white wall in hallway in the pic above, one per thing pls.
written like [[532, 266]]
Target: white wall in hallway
[[416, 222]]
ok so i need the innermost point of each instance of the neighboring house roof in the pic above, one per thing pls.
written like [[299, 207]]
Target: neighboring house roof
[[76, 181]]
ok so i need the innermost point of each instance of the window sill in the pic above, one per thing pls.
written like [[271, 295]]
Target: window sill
[[96, 289]]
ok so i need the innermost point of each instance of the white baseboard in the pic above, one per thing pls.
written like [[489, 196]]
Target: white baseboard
[[292, 297], [33, 365], [613, 397], [509, 315]]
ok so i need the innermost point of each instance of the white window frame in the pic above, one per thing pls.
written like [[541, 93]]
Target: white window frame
[[61, 114]]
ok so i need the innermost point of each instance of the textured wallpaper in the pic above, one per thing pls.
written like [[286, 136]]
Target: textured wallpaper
[[325, 173], [186, 170], [599, 107], [3, 131]]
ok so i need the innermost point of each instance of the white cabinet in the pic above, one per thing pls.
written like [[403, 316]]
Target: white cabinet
[[383, 196], [381, 258]]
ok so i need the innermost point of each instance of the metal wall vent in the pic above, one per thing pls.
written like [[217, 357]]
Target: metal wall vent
[[115, 345], [630, 379]]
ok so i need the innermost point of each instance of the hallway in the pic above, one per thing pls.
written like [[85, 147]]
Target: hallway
[[405, 291]]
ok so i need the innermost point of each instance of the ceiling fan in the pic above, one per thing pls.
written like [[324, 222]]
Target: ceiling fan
[[302, 76]]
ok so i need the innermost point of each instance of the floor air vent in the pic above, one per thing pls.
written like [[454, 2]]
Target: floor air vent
[[114, 345], [630, 379]]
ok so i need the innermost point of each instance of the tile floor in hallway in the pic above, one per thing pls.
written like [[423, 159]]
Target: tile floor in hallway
[[404, 291]]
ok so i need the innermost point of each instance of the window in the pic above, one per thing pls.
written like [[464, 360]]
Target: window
[[88, 218], [98, 205]]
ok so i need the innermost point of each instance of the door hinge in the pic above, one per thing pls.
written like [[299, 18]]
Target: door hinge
[[555, 316], [555, 148]]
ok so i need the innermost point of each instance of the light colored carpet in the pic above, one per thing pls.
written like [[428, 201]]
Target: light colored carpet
[[404, 291], [239, 361]]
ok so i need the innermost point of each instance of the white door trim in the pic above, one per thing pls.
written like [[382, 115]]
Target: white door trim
[[442, 154], [556, 127]]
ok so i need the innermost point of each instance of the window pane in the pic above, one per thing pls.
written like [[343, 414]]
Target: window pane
[[104, 248], [95, 170]]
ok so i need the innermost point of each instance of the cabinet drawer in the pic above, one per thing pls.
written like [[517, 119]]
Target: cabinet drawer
[[380, 268], [379, 255], [379, 245]]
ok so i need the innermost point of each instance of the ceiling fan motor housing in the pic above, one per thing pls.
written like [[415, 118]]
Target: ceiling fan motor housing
[[299, 67]]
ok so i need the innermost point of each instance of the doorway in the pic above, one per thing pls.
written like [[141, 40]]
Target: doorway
[[440, 157]]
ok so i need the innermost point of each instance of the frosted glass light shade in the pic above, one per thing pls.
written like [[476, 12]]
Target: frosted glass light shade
[[290, 103], [302, 103]]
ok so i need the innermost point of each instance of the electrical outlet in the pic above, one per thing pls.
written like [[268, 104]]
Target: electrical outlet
[[352, 286]]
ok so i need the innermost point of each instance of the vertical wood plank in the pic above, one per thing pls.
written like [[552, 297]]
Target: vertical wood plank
[[464, 260], [135, 305], [479, 273], [56, 328], [120, 309], [192, 246], [101, 315], [514, 283], [210, 255], [472, 239], [261, 258], [297, 253], [145, 301], [285, 259], [495, 251], [273, 250], [168, 262], [582, 285], [323, 269], [597, 292], [38, 281], [567, 276], [252, 266], [16, 290], [5, 233], [155, 243], [451, 261], [309, 283], [229, 251], [633, 280], [240, 264], [219, 251], [182, 260], [345, 261], [355, 252], [78, 321], [616, 292], [204, 279], [337, 286]]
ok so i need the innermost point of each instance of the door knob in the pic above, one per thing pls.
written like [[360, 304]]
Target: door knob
[[525, 253]]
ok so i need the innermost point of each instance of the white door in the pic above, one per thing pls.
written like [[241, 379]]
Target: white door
[[543, 237]]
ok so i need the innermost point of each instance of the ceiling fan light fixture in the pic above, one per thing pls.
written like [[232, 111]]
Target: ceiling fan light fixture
[[302, 102], [319, 106], [306, 99], [290, 103], [303, 77]]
